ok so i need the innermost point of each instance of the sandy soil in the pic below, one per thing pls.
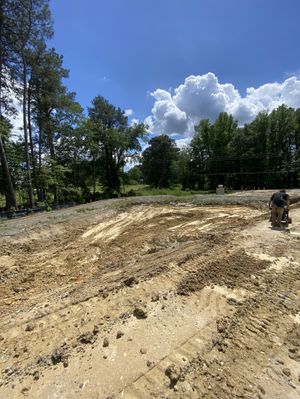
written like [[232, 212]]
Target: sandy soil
[[151, 301]]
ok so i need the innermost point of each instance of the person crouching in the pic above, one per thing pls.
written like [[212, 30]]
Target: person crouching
[[277, 202]]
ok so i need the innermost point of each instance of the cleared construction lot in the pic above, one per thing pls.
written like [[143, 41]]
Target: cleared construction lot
[[151, 300]]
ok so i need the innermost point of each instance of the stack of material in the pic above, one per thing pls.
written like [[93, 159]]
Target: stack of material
[[220, 189]]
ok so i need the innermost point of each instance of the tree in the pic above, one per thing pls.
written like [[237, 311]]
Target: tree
[[282, 127], [296, 149], [53, 109], [72, 154], [157, 161], [211, 148], [117, 143], [33, 25], [6, 76], [201, 149], [184, 169], [134, 175], [49, 95], [7, 180]]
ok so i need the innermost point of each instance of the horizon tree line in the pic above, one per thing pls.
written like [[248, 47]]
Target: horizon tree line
[[262, 154], [63, 154]]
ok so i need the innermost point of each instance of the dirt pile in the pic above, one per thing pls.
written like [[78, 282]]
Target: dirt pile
[[231, 270]]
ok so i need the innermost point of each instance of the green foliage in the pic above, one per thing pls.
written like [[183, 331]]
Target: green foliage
[[145, 190], [158, 161], [5, 127], [111, 142], [264, 153], [185, 169], [134, 175]]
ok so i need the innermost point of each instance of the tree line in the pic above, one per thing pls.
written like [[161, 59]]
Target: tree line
[[65, 154], [61, 154], [262, 154]]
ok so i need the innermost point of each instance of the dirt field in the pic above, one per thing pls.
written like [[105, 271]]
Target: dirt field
[[152, 300]]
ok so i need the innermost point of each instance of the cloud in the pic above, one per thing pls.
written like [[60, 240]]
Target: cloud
[[15, 119], [181, 143], [128, 112], [134, 121], [17, 125], [166, 116], [203, 96]]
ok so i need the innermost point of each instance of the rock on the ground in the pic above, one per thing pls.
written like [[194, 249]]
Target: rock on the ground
[[30, 327], [87, 338], [130, 281], [140, 313], [96, 330], [25, 390], [119, 334], [155, 298], [36, 375], [149, 363], [173, 372], [58, 356], [286, 372]]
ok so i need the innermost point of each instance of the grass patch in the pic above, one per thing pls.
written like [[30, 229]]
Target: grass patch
[[2, 201], [84, 210], [52, 217], [144, 190]]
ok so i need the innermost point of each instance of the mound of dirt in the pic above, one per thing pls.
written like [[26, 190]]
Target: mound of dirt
[[230, 271]]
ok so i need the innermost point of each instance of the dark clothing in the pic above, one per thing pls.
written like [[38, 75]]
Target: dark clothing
[[280, 199], [276, 215]]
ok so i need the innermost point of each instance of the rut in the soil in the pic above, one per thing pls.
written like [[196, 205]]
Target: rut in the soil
[[244, 355]]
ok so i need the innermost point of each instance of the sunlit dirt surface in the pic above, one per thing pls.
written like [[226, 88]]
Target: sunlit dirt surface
[[152, 301]]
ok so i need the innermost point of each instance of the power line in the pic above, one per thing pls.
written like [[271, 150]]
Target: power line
[[241, 158], [245, 173]]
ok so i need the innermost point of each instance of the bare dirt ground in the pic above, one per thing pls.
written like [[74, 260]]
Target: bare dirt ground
[[151, 300]]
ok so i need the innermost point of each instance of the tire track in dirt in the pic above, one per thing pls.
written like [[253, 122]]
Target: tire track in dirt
[[243, 358], [159, 259], [259, 329]]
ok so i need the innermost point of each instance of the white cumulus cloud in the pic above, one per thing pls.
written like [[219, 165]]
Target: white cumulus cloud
[[128, 112], [166, 116], [203, 96]]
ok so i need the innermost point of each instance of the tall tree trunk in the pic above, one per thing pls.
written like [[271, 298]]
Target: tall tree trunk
[[40, 146], [107, 171], [9, 189], [33, 163], [49, 133], [33, 159], [94, 178], [40, 188], [27, 160]]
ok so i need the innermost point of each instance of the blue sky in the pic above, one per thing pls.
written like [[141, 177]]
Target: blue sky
[[126, 49]]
